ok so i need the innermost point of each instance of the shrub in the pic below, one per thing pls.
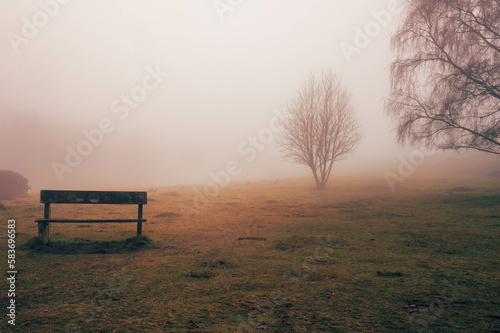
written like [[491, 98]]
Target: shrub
[[12, 184]]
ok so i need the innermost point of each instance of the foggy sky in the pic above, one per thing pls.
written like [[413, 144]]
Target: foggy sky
[[225, 78]]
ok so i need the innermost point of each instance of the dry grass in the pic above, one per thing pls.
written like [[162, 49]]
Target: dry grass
[[275, 255]]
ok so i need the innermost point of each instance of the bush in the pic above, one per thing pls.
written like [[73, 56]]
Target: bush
[[12, 185]]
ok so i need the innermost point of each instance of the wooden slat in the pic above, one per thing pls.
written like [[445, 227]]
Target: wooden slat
[[93, 197], [89, 221]]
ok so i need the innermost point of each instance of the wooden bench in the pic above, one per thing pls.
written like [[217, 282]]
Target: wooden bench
[[48, 197]]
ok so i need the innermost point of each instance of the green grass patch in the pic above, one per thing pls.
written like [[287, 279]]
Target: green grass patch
[[201, 275], [86, 246], [481, 201], [389, 274], [294, 242], [252, 238], [218, 264], [168, 215]]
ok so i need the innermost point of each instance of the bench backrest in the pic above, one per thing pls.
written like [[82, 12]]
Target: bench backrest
[[93, 197]]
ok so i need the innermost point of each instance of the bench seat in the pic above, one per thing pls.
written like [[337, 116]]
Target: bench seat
[[90, 221]]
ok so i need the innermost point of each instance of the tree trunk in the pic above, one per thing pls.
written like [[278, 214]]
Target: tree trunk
[[316, 179], [321, 185]]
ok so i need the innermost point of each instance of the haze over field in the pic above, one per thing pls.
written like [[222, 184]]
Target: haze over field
[[247, 165], [228, 71]]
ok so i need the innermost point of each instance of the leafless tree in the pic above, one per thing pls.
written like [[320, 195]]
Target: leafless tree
[[445, 91], [321, 128]]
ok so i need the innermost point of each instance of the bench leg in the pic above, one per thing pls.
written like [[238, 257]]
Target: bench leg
[[139, 224], [139, 228], [44, 231], [43, 227]]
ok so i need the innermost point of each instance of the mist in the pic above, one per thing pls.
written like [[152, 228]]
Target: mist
[[158, 93]]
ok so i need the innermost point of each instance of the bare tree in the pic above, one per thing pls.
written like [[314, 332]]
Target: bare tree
[[445, 89], [320, 128]]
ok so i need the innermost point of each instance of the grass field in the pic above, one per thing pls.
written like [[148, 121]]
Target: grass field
[[275, 256]]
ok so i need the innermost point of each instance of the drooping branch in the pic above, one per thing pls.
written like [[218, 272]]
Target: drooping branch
[[445, 81]]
